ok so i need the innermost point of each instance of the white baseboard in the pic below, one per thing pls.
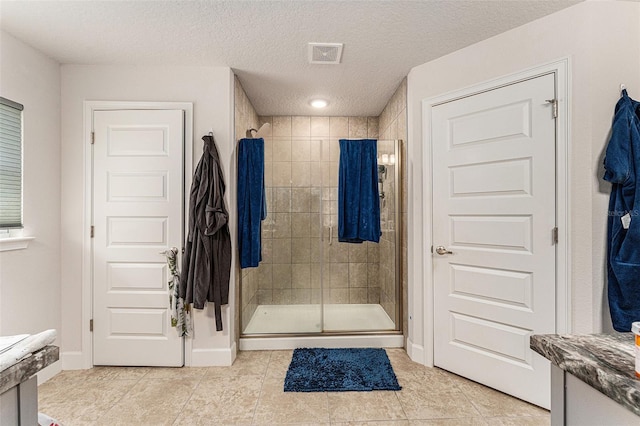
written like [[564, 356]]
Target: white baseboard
[[213, 357], [416, 353], [72, 360], [48, 372], [279, 343]]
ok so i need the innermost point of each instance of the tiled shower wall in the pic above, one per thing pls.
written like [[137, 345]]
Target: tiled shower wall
[[301, 173], [245, 118], [393, 125]]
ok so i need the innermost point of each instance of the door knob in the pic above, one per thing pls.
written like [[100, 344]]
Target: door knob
[[442, 251]]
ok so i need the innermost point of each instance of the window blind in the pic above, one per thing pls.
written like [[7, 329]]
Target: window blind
[[10, 164]]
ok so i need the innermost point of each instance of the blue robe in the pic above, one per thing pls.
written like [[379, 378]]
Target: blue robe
[[622, 164]]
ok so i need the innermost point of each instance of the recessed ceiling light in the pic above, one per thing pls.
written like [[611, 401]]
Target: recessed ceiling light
[[319, 103]]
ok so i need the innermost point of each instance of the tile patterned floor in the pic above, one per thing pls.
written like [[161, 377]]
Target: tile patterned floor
[[250, 392]]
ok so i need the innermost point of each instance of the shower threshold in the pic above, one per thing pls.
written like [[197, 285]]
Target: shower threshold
[[297, 319]]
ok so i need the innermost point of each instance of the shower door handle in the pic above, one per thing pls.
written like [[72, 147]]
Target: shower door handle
[[441, 250]]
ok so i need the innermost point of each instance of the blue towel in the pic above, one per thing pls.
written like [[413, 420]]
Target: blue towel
[[358, 198], [622, 165], [252, 202]]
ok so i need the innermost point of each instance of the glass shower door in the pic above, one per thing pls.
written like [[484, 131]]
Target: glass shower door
[[308, 282], [360, 280], [284, 292]]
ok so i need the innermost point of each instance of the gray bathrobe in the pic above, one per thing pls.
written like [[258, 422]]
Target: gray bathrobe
[[206, 264]]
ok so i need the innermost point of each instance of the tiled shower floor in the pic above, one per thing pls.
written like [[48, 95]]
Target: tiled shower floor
[[270, 319], [250, 392]]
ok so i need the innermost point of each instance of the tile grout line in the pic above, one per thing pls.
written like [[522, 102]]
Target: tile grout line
[[123, 395], [462, 390], [264, 377], [406, 417], [328, 408], [471, 402], [493, 415], [200, 377]]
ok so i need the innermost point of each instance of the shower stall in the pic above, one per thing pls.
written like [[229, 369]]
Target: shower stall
[[309, 283]]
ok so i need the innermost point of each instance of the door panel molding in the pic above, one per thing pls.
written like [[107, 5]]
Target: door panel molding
[[561, 71], [83, 359], [511, 235]]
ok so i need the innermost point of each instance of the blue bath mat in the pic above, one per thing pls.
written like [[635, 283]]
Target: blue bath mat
[[340, 370]]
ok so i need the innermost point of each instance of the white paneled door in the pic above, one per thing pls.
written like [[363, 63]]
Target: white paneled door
[[137, 214], [493, 219]]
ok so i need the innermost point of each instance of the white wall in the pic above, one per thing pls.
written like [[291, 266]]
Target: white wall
[[602, 40], [30, 279], [210, 89]]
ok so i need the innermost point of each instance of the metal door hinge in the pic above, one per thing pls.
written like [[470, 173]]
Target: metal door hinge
[[554, 106], [93, 138], [90, 325], [92, 231], [554, 235]]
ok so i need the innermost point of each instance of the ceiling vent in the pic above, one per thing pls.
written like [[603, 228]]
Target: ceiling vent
[[325, 53]]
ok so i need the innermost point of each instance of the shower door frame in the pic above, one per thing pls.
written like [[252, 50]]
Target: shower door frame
[[399, 227], [288, 338]]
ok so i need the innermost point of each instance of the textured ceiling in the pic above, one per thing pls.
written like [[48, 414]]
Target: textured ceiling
[[265, 42]]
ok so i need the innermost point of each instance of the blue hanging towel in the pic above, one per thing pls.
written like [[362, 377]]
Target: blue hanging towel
[[252, 202], [622, 164], [358, 198]]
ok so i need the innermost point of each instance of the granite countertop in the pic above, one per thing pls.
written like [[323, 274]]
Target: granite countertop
[[29, 366], [606, 362]]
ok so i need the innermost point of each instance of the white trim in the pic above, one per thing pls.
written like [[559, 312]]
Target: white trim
[[213, 357], [561, 70], [232, 308], [48, 372], [563, 197], [86, 353], [73, 360], [361, 341], [15, 243], [416, 353]]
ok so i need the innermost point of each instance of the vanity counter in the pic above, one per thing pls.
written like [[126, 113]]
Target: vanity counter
[[604, 362], [19, 388]]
